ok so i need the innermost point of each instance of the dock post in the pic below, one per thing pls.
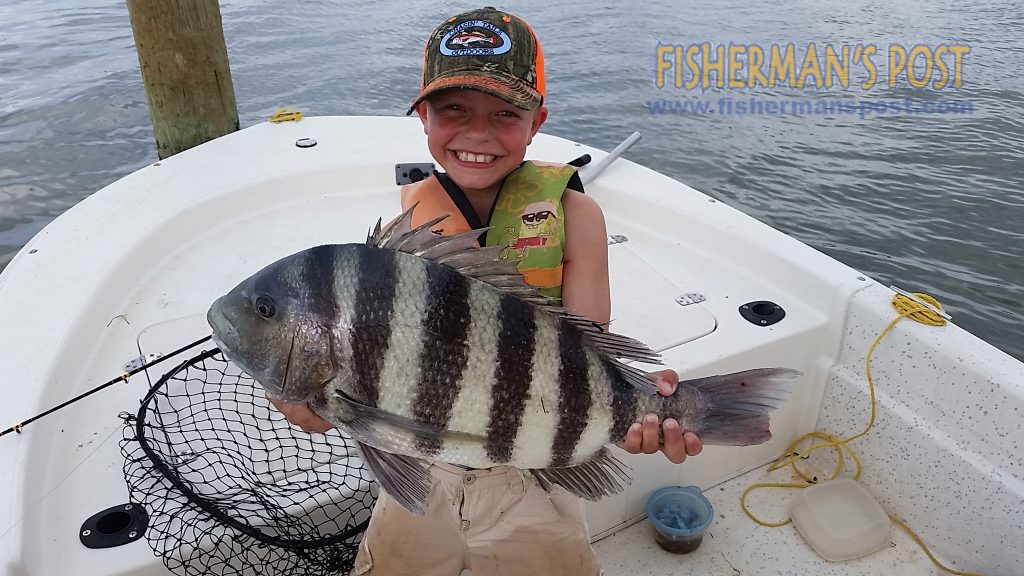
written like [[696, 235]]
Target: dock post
[[184, 63]]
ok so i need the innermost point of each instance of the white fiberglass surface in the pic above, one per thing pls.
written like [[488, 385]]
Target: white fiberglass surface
[[177, 236]]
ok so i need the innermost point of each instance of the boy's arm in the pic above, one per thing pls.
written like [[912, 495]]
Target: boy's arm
[[585, 292], [585, 288]]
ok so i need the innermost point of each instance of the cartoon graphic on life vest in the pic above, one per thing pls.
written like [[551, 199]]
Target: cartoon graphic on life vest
[[538, 229]]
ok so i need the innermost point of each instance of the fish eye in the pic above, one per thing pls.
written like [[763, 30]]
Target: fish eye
[[265, 307]]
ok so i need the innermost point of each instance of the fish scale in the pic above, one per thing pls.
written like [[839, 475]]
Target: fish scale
[[540, 420], [371, 310], [600, 428], [512, 377], [437, 350], [575, 403], [401, 363], [472, 407], [445, 351]]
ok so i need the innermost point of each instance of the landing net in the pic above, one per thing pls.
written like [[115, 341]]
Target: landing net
[[232, 488]]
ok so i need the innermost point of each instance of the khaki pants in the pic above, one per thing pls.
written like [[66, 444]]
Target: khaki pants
[[495, 522]]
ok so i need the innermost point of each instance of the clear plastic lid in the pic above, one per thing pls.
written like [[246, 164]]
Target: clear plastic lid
[[680, 510], [840, 519]]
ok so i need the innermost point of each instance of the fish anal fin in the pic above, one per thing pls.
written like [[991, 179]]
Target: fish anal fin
[[405, 478], [592, 480]]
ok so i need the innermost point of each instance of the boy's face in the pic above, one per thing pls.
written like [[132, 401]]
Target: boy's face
[[477, 138]]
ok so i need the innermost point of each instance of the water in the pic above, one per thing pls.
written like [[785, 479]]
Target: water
[[930, 203]]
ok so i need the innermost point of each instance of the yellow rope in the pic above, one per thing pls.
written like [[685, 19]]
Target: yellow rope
[[926, 551], [907, 308]]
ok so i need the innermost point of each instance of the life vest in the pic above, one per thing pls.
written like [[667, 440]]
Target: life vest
[[527, 218]]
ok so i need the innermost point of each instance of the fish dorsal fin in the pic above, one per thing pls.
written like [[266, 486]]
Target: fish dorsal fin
[[462, 253], [458, 251]]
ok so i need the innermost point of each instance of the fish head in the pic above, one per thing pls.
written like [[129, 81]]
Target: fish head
[[277, 327]]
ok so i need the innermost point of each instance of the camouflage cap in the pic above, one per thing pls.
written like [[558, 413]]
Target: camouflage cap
[[486, 50]]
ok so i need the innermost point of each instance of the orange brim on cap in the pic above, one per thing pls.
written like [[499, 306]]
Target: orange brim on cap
[[508, 88]]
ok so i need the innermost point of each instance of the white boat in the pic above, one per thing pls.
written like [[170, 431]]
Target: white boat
[[132, 269]]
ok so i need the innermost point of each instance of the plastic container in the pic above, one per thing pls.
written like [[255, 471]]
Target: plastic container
[[840, 519], [680, 516]]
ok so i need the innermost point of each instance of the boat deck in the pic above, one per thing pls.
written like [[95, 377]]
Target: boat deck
[[736, 545], [142, 260]]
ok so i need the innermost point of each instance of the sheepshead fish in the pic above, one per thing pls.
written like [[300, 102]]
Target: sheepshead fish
[[428, 348]]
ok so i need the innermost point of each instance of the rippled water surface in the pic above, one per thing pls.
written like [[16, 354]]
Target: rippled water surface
[[933, 203]]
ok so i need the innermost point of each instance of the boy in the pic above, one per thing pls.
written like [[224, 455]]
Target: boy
[[481, 104]]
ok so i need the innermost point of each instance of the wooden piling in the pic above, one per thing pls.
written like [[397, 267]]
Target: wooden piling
[[185, 70]]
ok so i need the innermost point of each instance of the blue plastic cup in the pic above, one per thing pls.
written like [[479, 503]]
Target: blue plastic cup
[[680, 516]]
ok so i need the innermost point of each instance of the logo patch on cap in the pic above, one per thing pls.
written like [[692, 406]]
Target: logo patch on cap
[[475, 38]]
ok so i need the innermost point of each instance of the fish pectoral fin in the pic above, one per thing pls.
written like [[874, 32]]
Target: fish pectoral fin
[[367, 422], [405, 478], [592, 480]]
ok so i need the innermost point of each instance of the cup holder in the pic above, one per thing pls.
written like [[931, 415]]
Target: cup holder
[[114, 526], [762, 312]]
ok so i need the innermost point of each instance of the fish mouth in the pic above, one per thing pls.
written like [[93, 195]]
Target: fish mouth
[[223, 329], [220, 343]]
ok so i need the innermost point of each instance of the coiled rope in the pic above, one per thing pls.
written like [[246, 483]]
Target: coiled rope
[[906, 307]]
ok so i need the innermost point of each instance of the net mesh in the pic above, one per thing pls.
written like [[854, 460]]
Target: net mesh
[[232, 488]]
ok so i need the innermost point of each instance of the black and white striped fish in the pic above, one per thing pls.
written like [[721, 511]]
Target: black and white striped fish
[[423, 348]]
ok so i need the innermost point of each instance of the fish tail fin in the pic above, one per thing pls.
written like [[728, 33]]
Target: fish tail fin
[[736, 406]]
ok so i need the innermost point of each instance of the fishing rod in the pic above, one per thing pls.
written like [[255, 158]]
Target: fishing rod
[[122, 378], [587, 175]]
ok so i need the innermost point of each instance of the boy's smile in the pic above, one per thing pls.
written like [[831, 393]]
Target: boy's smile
[[477, 138]]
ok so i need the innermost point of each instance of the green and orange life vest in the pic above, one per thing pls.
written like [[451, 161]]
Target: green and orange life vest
[[527, 219]]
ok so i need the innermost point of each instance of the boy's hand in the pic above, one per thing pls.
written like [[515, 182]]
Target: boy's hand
[[302, 416], [644, 437]]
